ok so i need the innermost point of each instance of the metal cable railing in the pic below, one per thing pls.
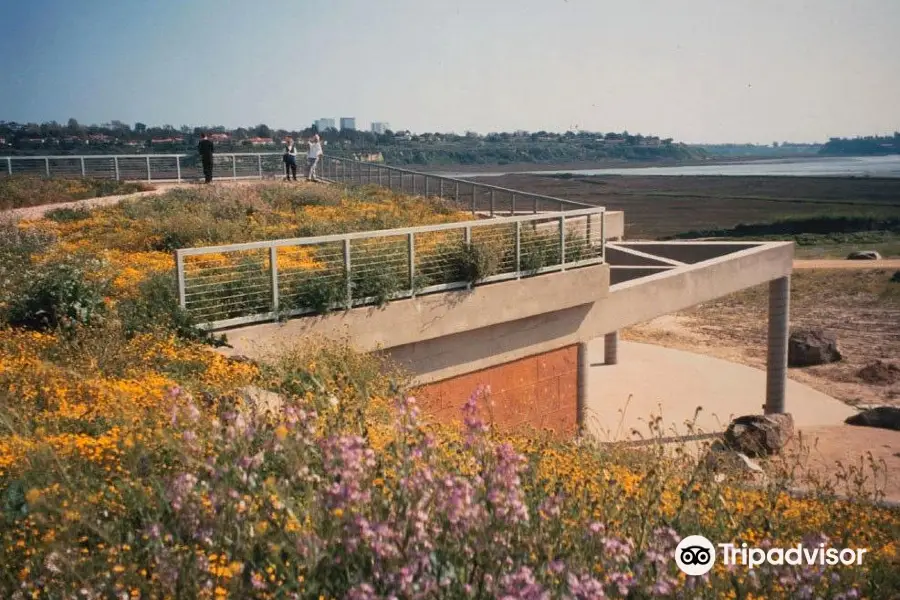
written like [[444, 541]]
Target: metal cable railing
[[465, 195], [238, 284]]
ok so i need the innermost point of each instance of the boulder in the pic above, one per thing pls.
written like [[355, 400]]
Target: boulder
[[760, 435], [896, 277], [260, 399], [884, 417], [809, 347], [728, 462], [864, 255]]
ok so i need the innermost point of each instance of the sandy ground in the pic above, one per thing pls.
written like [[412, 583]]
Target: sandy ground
[[893, 263], [868, 329]]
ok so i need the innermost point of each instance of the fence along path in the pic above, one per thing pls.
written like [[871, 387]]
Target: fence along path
[[466, 195]]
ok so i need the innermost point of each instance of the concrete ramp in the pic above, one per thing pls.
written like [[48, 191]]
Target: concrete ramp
[[673, 383]]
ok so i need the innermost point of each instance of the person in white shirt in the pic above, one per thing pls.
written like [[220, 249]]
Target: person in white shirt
[[312, 159]]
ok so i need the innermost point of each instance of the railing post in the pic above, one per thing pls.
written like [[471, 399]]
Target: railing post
[[178, 166], [179, 274], [587, 232], [390, 180], [9, 165], [347, 277], [562, 206], [47, 166], [379, 176], [273, 274], [116, 164], [603, 234], [441, 187], [473, 199], [234, 166], [82, 167], [426, 186], [534, 201], [518, 249], [411, 237], [468, 235], [512, 208], [149, 176], [456, 195], [492, 202], [259, 164], [562, 243]]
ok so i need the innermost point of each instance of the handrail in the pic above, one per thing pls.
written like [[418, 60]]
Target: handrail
[[252, 165], [237, 286]]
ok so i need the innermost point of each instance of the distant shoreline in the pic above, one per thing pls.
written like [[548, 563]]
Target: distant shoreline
[[604, 164]]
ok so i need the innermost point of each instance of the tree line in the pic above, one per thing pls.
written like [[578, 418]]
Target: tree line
[[395, 147]]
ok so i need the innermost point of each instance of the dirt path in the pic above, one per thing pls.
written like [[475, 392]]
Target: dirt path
[[36, 212], [893, 263]]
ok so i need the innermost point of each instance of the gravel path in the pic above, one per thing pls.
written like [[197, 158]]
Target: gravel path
[[36, 212]]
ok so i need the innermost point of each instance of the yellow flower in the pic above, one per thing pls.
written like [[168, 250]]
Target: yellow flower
[[281, 432], [338, 512], [33, 495]]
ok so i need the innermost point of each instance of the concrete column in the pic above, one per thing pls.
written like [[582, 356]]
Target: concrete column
[[776, 362], [584, 366], [611, 348]]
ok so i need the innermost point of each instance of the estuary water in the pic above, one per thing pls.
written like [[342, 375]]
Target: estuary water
[[845, 166]]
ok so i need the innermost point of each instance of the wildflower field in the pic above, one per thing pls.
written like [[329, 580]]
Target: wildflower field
[[135, 461], [19, 191]]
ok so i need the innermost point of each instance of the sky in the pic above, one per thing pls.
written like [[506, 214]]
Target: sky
[[699, 71]]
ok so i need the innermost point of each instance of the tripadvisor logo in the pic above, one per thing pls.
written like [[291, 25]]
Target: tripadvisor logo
[[695, 555]]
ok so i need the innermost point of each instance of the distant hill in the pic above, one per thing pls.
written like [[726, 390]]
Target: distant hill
[[862, 146], [394, 147]]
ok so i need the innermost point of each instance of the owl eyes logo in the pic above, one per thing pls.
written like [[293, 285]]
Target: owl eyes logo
[[695, 555]]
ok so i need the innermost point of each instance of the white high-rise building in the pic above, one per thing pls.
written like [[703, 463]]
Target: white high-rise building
[[348, 123], [323, 124], [380, 127]]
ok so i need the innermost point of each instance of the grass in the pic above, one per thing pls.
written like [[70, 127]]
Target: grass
[[20, 191], [137, 463]]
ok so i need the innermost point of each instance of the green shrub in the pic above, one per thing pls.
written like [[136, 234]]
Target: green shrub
[[474, 262], [156, 307], [61, 295], [68, 215]]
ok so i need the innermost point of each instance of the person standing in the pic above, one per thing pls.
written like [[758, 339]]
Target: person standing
[[313, 157], [290, 159], [205, 148]]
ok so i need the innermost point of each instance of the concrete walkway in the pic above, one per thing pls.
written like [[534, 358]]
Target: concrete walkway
[[652, 380]]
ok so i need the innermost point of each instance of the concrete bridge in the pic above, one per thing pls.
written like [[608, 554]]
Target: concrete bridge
[[528, 337]]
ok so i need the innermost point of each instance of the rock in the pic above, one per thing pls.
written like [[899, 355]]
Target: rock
[[260, 399], [726, 461], [896, 277], [864, 255], [884, 417], [879, 373], [760, 435], [809, 347]]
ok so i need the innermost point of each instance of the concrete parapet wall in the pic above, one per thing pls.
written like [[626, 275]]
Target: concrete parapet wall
[[435, 316]]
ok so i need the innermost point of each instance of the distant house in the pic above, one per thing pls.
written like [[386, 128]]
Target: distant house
[[134, 143], [100, 138], [259, 141], [168, 140], [220, 137]]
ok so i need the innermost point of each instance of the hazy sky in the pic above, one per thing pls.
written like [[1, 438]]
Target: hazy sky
[[696, 70]]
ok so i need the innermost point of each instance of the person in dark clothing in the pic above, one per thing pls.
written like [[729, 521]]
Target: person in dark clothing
[[205, 148], [290, 159]]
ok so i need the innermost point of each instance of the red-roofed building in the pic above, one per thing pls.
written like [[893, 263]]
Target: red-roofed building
[[260, 141]]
